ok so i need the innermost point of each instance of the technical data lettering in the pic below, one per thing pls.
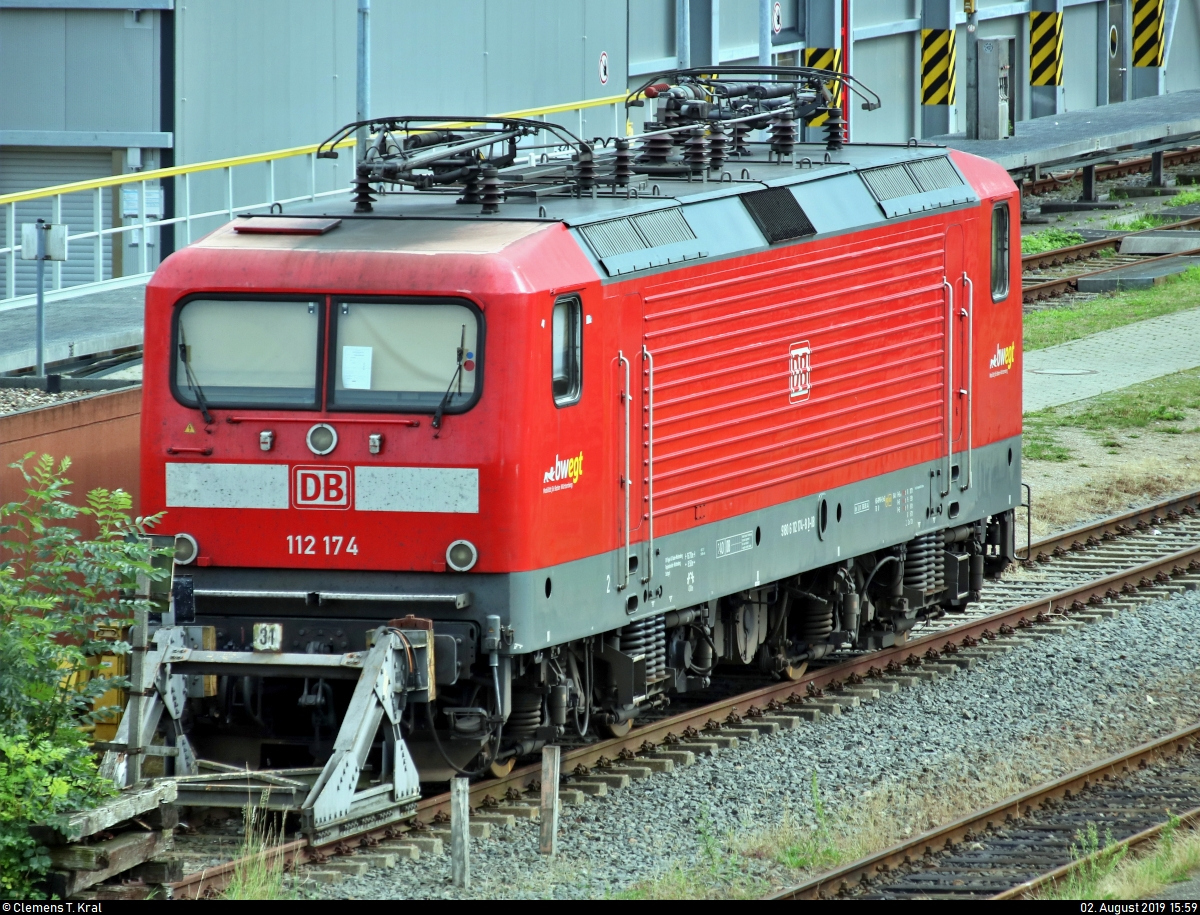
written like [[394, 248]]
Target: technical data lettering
[[672, 562], [902, 501], [738, 543], [800, 526], [334, 545]]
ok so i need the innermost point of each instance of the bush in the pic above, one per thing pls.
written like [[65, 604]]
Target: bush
[[40, 783], [56, 591]]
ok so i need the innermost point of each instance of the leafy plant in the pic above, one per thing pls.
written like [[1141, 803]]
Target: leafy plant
[[1049, 240], [1096, 862], [56, 590], [1136, 225], [1184, 199], [40, 782]]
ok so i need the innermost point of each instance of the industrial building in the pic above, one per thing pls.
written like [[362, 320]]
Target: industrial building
[[96, 88]]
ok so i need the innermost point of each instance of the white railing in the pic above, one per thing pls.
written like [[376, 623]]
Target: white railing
[[184, 217]]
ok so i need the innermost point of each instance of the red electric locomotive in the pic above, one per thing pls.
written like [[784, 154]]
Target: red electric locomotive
[[607, 415]]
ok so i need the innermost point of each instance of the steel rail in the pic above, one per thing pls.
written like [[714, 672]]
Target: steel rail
[[837, 881], [1058, 285], [1077, 538], [1074, 252], [1061, 285], [1146, 574], [1115, 170], [1143, 575]]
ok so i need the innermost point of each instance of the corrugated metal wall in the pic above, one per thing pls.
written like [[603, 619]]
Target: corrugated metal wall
[[22, 168]]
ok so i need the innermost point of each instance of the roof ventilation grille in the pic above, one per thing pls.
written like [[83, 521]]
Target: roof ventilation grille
[[617, 236], [655, 229], [663, 227], [934, 174], [778, 214], [890, 182]]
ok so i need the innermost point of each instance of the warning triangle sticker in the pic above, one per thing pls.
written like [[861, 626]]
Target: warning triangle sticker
[[190, 428]]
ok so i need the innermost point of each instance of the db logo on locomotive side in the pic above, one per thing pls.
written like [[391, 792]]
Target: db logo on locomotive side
[[800, 371], [320, 487]]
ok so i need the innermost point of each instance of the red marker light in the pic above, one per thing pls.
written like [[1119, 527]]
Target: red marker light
[[469, 365]]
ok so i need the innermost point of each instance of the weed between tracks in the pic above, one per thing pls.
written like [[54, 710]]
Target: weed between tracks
[[1122, 224], [812, 837], [260, 872], [1117, 875], [1184, 199], [1052, 326], [1048, 240]]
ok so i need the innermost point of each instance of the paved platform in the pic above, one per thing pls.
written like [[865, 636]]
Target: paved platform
[[93, 323], [1111, 360], [1092, 133]]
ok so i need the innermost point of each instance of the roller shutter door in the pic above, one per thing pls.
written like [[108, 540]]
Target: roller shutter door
[[29, 168]]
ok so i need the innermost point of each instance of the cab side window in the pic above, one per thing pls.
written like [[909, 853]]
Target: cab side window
[[1000, 252], [567, 342]]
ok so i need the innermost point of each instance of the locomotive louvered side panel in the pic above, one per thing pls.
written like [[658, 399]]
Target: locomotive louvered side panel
[[827, 360]]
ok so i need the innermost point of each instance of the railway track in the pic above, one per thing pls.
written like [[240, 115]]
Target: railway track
[[1028, 842], [1076, 576], [1053, 273], [1112, 170]]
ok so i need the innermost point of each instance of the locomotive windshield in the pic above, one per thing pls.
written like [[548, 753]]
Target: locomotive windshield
[[240, 353], [404, 356]]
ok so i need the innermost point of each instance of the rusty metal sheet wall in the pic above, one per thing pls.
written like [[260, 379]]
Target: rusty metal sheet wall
[[99, 433]]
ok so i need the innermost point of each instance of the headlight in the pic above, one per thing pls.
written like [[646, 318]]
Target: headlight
[[321, 439], [186, 549], [461, 555]]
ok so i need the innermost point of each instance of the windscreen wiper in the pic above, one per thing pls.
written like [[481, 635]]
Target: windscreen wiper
[[457, 376], [192, 383]]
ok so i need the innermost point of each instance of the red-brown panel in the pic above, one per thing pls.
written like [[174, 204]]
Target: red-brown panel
[[99, 434]]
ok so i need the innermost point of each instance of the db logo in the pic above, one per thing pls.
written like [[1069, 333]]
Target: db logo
[[321, 487], [799, 371]]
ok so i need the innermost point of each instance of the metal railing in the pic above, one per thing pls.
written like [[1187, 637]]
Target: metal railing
[[184, 217]]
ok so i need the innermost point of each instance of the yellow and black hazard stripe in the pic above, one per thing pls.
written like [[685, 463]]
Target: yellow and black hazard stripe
[[1045, 49], [825, 59], [938, 58], [1148, 26]]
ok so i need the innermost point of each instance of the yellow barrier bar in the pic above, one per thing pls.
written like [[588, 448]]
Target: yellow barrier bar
[[155, 174], [158, 173]]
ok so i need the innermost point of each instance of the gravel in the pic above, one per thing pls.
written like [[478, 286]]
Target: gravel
[[1094, 690], [16, 400]]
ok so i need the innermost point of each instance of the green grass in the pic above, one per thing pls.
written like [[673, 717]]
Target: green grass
[[1049, 240], [1113, 874], [717, 874], [1061, 325], [1182, 200], [1142, 222], [1097, 864], [1154, 406], [259, 874]]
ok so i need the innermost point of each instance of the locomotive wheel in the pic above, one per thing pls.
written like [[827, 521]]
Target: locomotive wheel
[[794, 672], [502, 768], [617, 728]]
